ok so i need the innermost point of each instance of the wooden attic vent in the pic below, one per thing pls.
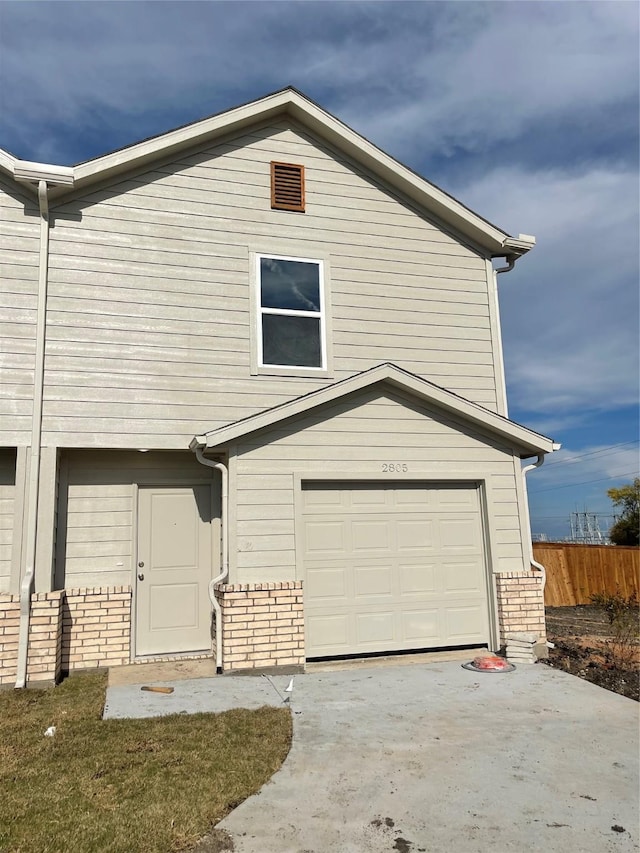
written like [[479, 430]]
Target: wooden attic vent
[[287, 187]]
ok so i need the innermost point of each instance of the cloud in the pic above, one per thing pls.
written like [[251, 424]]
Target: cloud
[[570, 308], [525, 111], [422, 80]]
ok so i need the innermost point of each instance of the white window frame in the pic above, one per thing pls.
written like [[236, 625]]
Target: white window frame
[[321, 315]]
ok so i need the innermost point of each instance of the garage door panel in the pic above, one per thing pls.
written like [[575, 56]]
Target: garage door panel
[[417, 579], [415, 535], [325, 538], [457, 534], [393, 567], [456, 498], [328, 583], [421, 627], [367, 498], [375, 629], [370, 536], [414, 496], [372, 581], [464, 623], [461, 577], [321, 498], [327, 633]]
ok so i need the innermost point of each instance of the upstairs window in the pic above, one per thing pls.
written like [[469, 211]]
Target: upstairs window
[[291, 314], [287, 187]]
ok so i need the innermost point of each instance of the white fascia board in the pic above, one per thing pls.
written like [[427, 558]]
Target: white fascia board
[[426, 194], [523, 438], [7, 161], [28, 172], [166, 144]]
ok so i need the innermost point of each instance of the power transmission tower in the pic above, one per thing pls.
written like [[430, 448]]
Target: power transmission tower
[[585, 528]]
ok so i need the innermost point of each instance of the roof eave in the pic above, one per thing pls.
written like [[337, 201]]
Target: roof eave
[[7, 162], [489, 238], [524, 440], [189, 136]]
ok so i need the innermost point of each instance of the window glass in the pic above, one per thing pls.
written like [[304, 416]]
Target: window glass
[[291, 340], [292, 285]]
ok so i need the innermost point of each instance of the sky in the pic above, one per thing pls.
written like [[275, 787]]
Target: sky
[[527, 112]]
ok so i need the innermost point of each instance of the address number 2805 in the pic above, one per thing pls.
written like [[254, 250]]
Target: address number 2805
[[394, 468]]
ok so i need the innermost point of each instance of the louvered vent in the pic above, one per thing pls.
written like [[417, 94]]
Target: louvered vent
[[287, 187]]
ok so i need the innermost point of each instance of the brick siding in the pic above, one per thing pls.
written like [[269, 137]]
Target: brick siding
[[520, 604], [9, 628], [68, 629], [96, 627], [45, 637], [262, 625]]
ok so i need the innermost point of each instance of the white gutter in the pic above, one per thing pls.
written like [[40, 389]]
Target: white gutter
[[225, 550], [44, 174], [26, 587]]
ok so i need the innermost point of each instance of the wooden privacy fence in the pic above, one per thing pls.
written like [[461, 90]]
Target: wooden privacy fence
[[575, 572]]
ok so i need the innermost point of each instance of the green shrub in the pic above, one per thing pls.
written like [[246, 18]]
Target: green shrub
[[623, 613]]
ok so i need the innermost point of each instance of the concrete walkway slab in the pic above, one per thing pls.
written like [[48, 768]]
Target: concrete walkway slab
[[436, 758], [192, 696], [432, 757]]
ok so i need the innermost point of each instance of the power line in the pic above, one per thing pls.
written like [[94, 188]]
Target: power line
[[566, 515], [603, 451], [583, 483]]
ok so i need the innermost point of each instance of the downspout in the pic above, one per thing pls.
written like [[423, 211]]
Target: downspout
[[215, 604], [533, 562], [27, 585], [511, 262]]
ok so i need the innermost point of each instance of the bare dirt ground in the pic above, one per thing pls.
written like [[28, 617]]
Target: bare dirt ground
[[587, 646]]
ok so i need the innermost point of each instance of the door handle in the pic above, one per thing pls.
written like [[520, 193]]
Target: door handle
[[140, 564], [140, 576]]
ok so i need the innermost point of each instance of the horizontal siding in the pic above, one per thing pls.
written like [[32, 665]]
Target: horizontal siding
[[97, 547], [149, 313], [19, 255], [350, 439], [7, 501]]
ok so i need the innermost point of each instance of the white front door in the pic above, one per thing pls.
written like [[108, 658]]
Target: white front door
[[173, 612]]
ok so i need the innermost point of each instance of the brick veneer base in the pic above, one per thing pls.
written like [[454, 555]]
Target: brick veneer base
[[520, 604], [96, 627], [45, 637], [68, 629], [262, 625]]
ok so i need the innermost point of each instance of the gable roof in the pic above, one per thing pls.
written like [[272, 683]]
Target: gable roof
[[528, 441], [291, 102]]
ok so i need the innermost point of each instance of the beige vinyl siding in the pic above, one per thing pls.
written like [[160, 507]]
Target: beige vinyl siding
[[7, 504], [19, 251], [351, 440], [149, 322], [96, 511]]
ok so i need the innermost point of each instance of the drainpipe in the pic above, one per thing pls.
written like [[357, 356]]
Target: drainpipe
[[26, 587], [511, 262], [44, 175], [215, 604], [533, 562]]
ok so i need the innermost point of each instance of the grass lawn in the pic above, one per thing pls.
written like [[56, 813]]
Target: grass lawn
[[134, 786]]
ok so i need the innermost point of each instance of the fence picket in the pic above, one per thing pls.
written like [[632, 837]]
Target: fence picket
[[575, 572]]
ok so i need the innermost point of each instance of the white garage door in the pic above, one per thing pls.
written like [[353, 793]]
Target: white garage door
[[392, 567]]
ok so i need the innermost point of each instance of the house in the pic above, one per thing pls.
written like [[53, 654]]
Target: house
[[253, 405]]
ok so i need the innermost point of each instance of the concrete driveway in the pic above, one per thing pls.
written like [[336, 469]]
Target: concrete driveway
[[432, 757]]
